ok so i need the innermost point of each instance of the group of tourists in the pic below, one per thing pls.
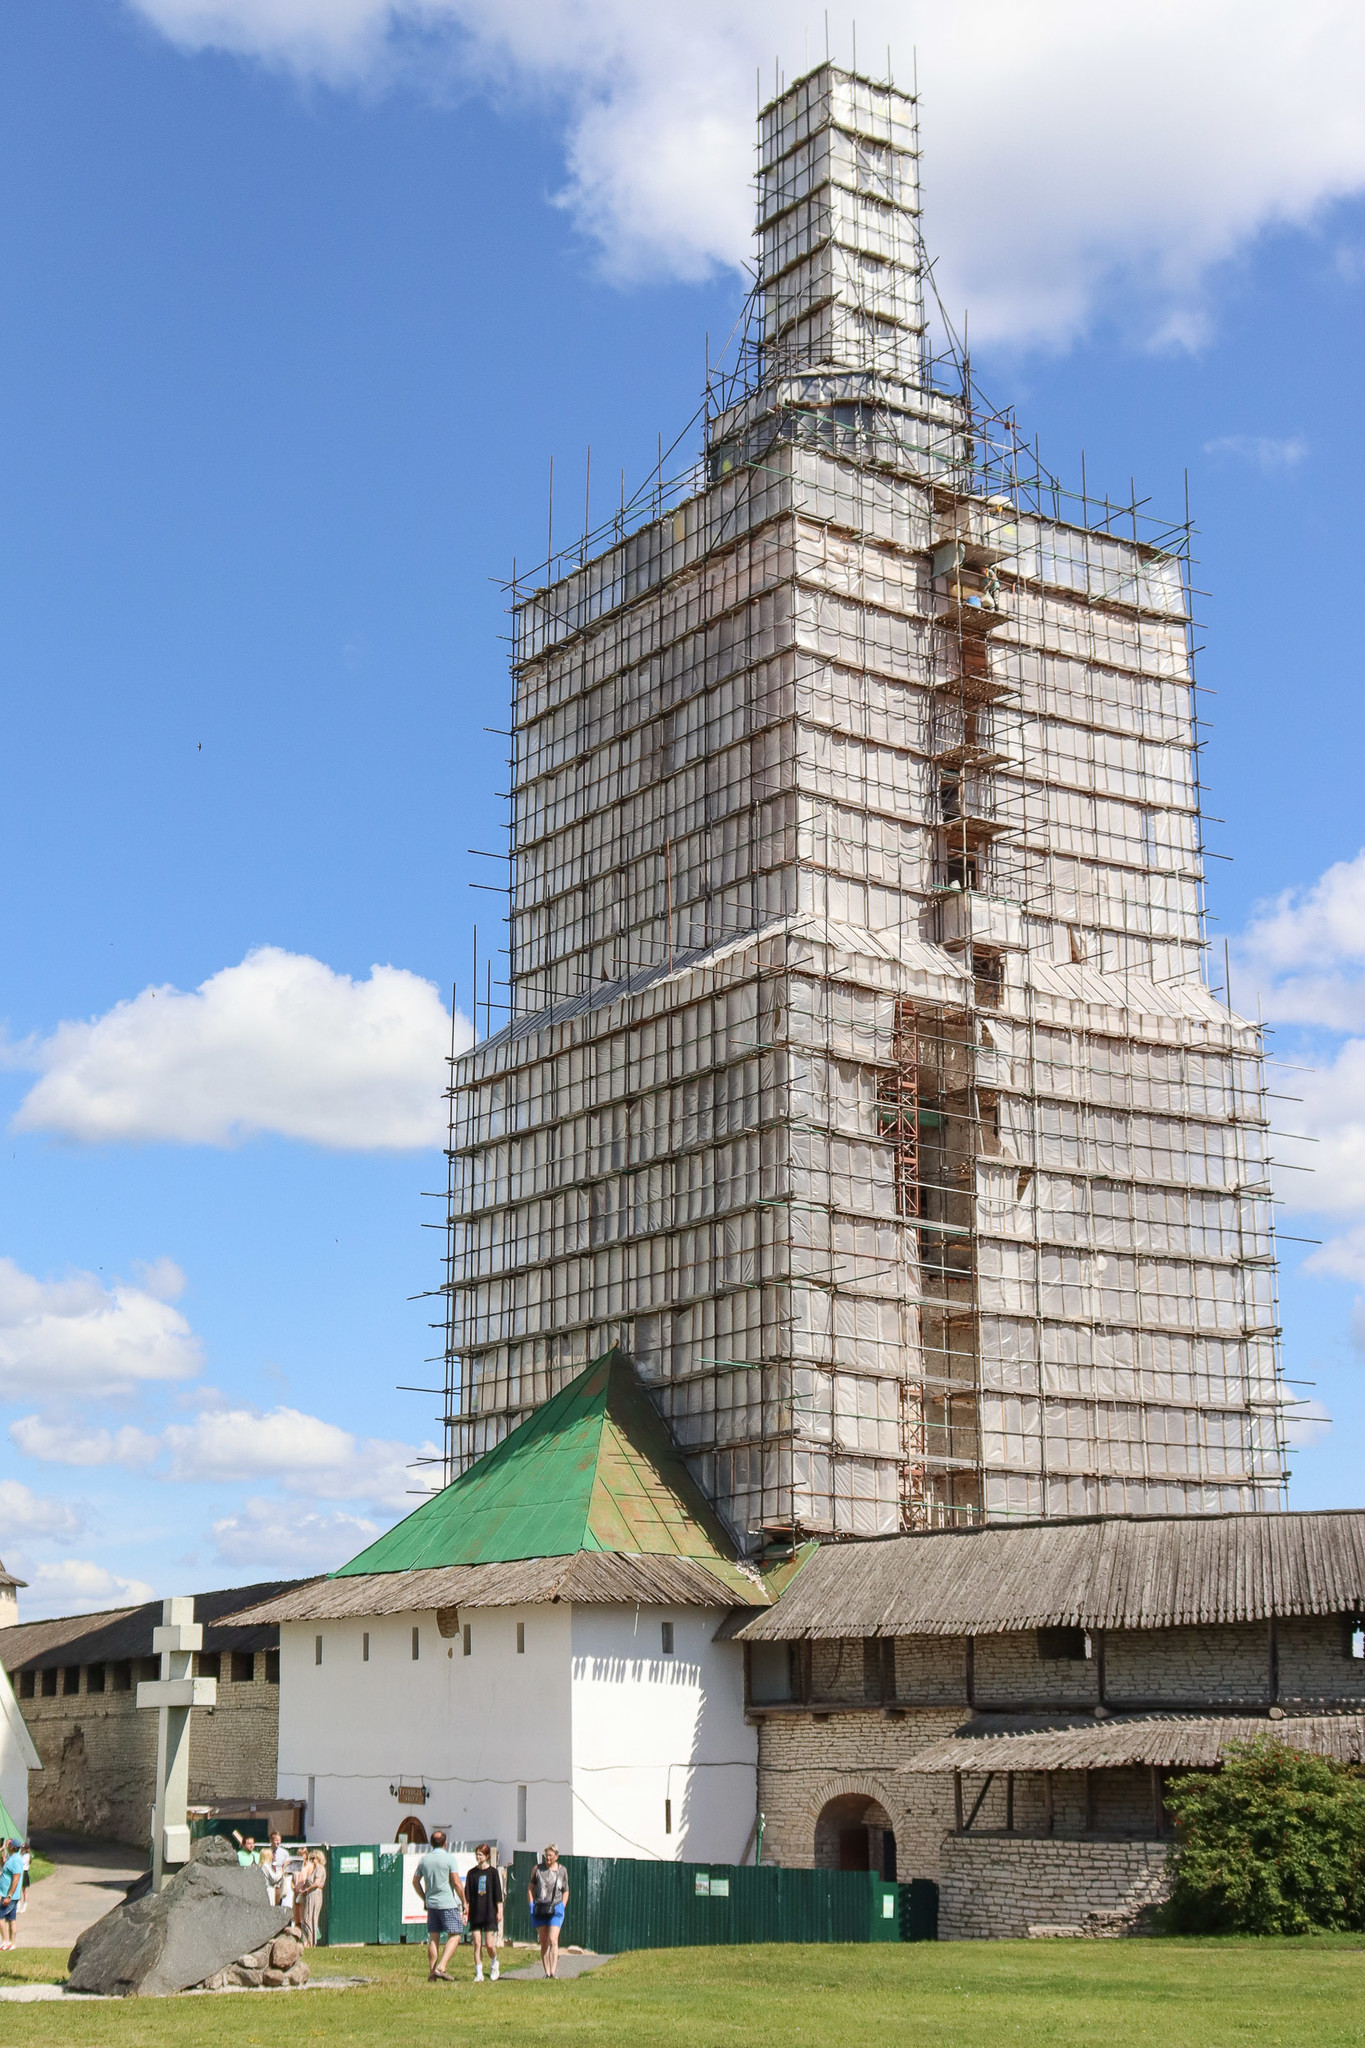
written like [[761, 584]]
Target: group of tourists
[[295, 1878], [477, 1898]]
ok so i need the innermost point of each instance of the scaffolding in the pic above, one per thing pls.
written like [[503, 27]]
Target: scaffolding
[[859, 1076]]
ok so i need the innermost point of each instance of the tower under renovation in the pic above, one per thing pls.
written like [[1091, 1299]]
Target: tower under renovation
[[860, 1078]]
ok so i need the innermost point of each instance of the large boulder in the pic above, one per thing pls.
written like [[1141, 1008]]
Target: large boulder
[[213, 1911]]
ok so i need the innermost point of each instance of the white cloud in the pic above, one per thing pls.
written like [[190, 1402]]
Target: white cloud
[[1306, 1422], [81, 1336], [279, 1044], [1074, 154], [25, 1514], [237, 1446], [1304, 951], [274, 1536], [60, 1441], [1262, 451], [303, 1453], [75, 1585]]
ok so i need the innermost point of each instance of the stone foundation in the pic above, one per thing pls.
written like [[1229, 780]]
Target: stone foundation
[[1003, 1887]]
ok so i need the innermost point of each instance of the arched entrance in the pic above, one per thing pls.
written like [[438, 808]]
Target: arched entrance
[[854, 1832], [410, 1829]]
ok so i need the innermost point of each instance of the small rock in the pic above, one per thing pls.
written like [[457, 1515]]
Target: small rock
[[258, 1959], [238, 1975], [274, 1978], [297, 1975], [285, 1951]]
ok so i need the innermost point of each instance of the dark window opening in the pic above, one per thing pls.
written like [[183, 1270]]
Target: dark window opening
[[26, 1685], [71, 1678], [1353, 1644], [148, 1668], [666, 1637], [771, 1676], [94, 1678], [1063, 1645], [243, 1667], [272, 1667], [961, 874], [208, 1664], [121, 1676], [50, 1683]]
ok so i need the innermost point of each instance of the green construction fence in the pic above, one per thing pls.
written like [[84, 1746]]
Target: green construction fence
[[624, 1902]]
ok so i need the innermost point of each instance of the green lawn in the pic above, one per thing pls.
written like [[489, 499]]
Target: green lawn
[[1104, 1994]]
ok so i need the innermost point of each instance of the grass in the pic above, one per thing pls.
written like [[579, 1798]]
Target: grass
[[1058, 1994], [40, 1868]]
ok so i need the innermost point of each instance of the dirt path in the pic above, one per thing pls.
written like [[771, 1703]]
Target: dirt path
[[90, 1877]]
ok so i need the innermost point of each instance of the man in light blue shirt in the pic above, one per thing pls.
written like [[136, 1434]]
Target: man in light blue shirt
[[436, 1881], [11, 1889]]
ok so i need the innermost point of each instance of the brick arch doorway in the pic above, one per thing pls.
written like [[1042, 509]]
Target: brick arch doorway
[[854, 1832], [410, 1829]]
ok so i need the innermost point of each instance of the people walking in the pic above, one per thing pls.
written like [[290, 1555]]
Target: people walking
[[311, 1884], [436, 1882], [483, 1889], [11, 1885], [548, 1893]]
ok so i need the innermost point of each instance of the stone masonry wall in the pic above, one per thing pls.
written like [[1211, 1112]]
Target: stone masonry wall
[[996, 1888], [1205, 1664], [803, 1764], [98, 1752]]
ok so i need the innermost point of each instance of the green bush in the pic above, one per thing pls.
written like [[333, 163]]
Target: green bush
[[1274, 1843]]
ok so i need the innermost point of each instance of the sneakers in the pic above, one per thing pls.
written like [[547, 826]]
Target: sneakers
[[478, 1975], [493, 1973]]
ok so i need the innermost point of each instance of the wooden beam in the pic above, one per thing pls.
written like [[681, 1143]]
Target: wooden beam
[[957, 1801], [979, 1799]]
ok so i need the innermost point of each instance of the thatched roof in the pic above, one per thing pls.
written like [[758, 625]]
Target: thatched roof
[[1120, 1572]]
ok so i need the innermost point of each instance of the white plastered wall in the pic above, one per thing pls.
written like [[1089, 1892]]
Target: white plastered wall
[[597, 1724]]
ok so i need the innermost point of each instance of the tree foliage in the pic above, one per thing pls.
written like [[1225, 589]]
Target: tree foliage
[[1274, 1843]]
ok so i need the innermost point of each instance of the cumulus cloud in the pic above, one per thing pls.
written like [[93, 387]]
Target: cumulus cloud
[[1304, 951], [25, 1514], [302, 1452], [1306, 1422], [1075, 155], [75, 1585], [232, 1446], [1262, 451], [278, 1044], [61, 1441], [81, 1336], [276, 1537]]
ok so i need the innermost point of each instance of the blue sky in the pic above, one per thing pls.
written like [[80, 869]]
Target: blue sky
[[295, 321]]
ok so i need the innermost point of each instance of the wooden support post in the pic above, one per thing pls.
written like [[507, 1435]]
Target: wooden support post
[[1158, 1803], [957, 1801], [1049, 1811], [1009, 1802], [1089, 1777], [970, 1671], [1097, 1639], [1273, 1660]]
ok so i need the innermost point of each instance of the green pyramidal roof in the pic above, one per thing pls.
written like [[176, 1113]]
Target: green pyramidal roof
[[595, 1469]]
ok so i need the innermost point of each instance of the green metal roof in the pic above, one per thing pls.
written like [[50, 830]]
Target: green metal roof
[[594, 1469]]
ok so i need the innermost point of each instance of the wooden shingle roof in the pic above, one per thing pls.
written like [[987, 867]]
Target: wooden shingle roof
[[1117, 1572]]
